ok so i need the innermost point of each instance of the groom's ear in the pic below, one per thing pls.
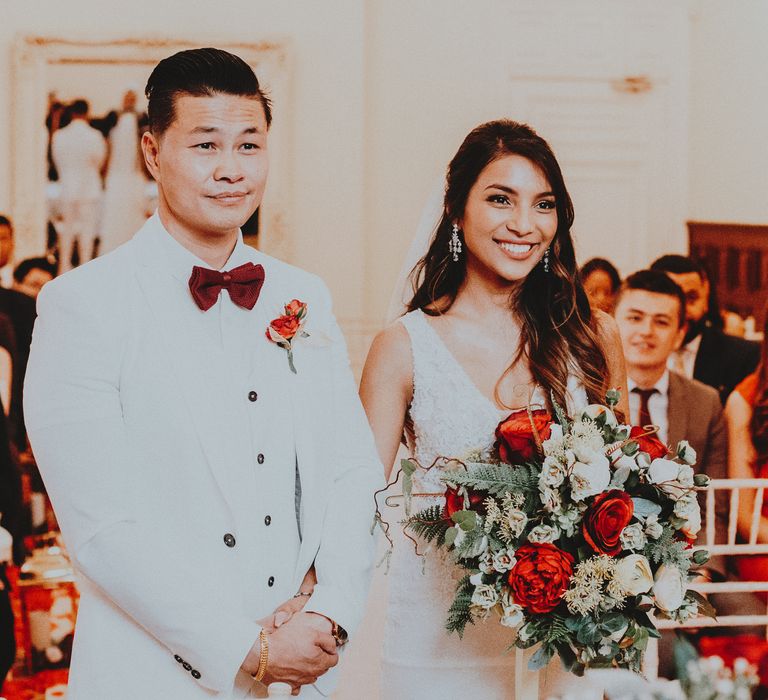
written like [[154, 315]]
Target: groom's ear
[[150, 148]]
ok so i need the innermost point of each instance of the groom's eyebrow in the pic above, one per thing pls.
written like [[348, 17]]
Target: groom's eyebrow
[[215, 129], [510, 190]]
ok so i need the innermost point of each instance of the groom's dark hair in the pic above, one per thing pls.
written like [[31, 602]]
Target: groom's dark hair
[[200, 73]]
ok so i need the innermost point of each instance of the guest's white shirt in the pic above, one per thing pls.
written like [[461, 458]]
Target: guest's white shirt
[[683, 360], [658, 405]]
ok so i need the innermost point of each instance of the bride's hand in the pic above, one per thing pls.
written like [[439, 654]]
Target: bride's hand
[[290, 607]]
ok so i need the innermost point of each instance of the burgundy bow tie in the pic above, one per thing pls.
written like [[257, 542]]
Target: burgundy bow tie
[[243, 284]]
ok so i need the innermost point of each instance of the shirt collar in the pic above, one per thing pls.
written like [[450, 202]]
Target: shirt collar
[[692, 348], [662, 386], [180, 260]]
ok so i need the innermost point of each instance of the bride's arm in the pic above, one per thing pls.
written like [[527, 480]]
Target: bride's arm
[[608, 334], [386, 389]]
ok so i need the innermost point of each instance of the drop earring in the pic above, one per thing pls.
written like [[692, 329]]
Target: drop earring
[[454, 245], [545, 260]]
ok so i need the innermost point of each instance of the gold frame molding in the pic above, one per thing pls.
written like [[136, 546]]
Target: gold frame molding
[[32, 57]]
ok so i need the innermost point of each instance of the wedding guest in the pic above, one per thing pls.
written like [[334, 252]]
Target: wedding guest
[[79, 153], [601, 283], [707, 353], [32, 274]]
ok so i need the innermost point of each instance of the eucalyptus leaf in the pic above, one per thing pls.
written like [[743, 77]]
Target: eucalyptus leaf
[[541, 658], [705, 607], [644, 507], [450, 536], [466, 519]]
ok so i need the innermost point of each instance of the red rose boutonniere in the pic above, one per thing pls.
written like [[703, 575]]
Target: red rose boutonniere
[[285, 328]]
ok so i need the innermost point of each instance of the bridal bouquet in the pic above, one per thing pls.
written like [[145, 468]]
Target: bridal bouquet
[[572, 534]]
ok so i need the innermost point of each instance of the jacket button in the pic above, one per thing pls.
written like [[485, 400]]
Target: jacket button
[[229, 540], [268, 520], [195, 674], [187, 666], [178, 658], [260, 458], [271, 581], [252, 396]]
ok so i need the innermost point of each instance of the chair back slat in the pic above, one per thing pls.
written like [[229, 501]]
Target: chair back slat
[[757, 509], [733, 516]]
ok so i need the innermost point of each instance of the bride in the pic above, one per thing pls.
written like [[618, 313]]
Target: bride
[[498, 320]]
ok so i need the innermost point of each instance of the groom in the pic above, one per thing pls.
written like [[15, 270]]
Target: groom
[[201, 484]]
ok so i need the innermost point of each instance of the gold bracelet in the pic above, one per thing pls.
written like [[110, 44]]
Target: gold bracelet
[[263, 656]]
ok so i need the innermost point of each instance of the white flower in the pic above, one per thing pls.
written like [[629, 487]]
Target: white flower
[[633, 537], [591, 477], [517, 520], [669, 588], [662, 471], [460, 536], [653, 527], [686, 505], [685, 475], [567, 518], [625, 461], [633, 574], [503, 561], [486, 564], [484, 596], [643, 460], [595, 409], [554, 445], [550, 499], [552, 472], [685, 452], [692, 525], [543, 533], [511, 613]]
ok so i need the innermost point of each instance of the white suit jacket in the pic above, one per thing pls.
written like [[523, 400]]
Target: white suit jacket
[[134, 435], [78, 152]]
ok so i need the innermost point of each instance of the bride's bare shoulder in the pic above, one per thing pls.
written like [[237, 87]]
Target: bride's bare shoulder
[[389, 357]]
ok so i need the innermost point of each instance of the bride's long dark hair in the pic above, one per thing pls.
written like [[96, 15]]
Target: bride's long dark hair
[[558, 330]]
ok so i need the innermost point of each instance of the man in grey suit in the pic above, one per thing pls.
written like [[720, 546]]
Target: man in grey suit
[[650, 314]]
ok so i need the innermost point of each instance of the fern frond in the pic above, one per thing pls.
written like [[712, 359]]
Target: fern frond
[[498, 479], [459, 613]]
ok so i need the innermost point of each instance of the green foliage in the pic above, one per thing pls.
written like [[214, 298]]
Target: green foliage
[[459, 613], [429, 524], [669, 550], [499, 479]]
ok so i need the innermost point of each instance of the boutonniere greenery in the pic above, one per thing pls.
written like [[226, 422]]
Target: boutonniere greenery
[[286, 328]]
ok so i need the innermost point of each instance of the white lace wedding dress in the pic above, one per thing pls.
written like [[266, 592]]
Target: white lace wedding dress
[[420, 661]]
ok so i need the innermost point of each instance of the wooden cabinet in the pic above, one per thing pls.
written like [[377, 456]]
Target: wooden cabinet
[[736, 256]]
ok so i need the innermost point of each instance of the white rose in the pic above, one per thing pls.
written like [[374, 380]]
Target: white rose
[[543, 533], [663, 471], [486, 563], [634, 574], [554, 443], [590, 478], [668, 588], [595, 409], [512, 616], [693, 524], [626, 461], [484, 596], [552, 472], [517, 520], [685, 452], [685, 475], [653, 527], [550, 499], [503, 561], [633, 537]]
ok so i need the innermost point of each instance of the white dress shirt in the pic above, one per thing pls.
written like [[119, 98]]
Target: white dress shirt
[[658, 405], [683, 360]]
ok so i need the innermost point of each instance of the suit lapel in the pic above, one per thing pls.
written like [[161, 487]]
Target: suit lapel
[[677, 411], [203, 379]]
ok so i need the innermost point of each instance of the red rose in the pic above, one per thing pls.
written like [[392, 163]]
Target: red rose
[[454, 502], [648, 443], [604, 520], [285, 326], [540, 576], [295, 308], [515, 439]]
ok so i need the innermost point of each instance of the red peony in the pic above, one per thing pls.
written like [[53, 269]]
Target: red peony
[[515, 439], [454, 502], [540, 576], [648, 443], [604, 520]]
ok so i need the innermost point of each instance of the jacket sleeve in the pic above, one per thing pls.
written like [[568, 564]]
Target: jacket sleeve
[[75, 424], [344, 560]]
